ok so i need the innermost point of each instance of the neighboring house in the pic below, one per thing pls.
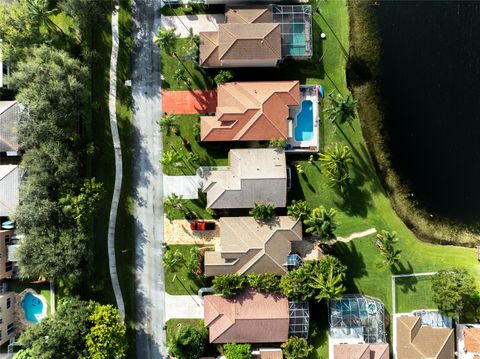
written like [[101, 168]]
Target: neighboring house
[[420, 337], [7, 316], [268, 353], [9, 119], [258, 37], [361, 351], [256, 175], [468, 341], [252, 111], [247, 246], [6, 266], [9, 185]]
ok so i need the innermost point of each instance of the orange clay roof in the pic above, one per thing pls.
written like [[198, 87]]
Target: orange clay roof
[[472, 340], [251, 111], [248, 15]]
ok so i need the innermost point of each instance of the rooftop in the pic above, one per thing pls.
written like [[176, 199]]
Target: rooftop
[[9, 186], [9, 118], [361, 351]]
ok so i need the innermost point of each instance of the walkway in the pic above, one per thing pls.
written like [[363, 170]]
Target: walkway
[[189, 102], [147, 182], [112, 108], [185, 186], [197, 23], [183, 307], [356, 235]]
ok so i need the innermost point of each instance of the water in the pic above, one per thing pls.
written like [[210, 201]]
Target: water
[[304, 122], [430, 63], [33, 307]]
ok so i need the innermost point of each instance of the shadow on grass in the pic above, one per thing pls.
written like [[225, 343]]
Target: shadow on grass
[[353, 259]]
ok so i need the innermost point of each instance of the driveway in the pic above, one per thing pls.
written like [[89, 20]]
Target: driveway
[[185, 186], [147, 182], [189, 102], [197, 23], [178, 231], [183, 307]]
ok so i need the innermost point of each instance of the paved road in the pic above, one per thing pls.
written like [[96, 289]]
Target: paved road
[[148, 181]]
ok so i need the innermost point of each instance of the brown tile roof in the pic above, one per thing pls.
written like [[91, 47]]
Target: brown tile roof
[[255, 247], [243, 15], [360, 351], [472, 340], [248, 318], [271, 354], [415, 341], [209, 48], [251, 111]]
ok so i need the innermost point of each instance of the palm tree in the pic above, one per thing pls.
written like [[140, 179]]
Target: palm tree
[[172, 260], [38, 11], [334, 163], [328, 287], [321, 223], [298, 210], [166, 40], [180, 76], [168, 124], [385, 241], [262, 212], [171, 158], [173, 203], [342, 109]]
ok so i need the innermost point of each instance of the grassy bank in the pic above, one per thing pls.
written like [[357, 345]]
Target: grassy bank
[[364, 82]]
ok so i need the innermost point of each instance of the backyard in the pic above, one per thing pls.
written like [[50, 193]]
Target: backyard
[[412, 293]]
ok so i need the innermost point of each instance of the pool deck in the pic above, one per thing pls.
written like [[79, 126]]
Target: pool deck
[[20, 315], [307, 92]]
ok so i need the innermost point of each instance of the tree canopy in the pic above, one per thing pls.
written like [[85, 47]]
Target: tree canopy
[[296, 348], [188, 342], [451, 289], [237, 351]]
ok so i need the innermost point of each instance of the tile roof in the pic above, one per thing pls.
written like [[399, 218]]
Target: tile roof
[[249, 15], [472, 340], [9, 118], [250, 317], [251, 111], [271, 353], [9, 186], [360, 351]]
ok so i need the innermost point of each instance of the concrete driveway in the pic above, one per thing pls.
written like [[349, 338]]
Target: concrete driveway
[[197, 23], [183, 307], [185, 186]]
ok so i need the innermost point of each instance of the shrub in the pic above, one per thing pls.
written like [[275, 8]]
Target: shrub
[[451, 289], [265, 283], [296, 348], [188, 343], [298, 210], [229, 285], [262, 212], [237, 351], [223, 76], [277, 143]]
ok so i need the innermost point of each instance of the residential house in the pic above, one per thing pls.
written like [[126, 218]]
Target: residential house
[[258, 36], [7, 316], [420, 339], [361, 351], [268, 353], [254, 176], [468, 341], [6, 266], [250, 317], [252, 111], [10, 177], [248, 246], [9, 119]]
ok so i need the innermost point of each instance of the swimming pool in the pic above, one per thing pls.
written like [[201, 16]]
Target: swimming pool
[[34, 307], [304, 122]]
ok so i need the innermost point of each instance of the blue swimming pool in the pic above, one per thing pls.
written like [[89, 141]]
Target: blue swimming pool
[[33, 307], [304, 122]]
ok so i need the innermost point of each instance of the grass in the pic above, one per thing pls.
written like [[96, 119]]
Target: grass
[[183, 142], [413, 293], [177, 280], [173, 325], [41, 288]]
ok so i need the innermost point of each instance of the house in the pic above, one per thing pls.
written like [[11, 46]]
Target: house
[[268, 353], [9, 119], [247, 246], [468, 341], [250, 317], [258, 36], [10, 177], [255, 175], [251, 111], [7, 316], [361, 351], [420, 337], [6, 266]]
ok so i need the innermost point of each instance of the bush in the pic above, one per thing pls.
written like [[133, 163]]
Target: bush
[[188, 343], [451, 289], [229, 285], [223, 76], [277, 143], [262, 212], [298, 210], [265, 283], [237, 351], [296, 348]]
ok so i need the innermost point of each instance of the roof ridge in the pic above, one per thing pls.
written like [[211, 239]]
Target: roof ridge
[[252, 261], [268, 43], [9, 107]]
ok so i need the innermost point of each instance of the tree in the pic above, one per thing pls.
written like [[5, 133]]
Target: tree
[[40, 13], [65, 330], [87, 12], [321, 223], [193, 263], [334, 163], [277, 143], [189, 52], [173, 204], [166, 39], [265, 283], [385, 241], [168, 124], [296, 348], [24, 354], [329, 286], [262, 212], [229, 285], [223, 76], [237, 351], [180, 76], [173, 259], [107, 336], [171, 158], [188, 342], [298, 210], [342, 109], [451, 289], [296, 284]]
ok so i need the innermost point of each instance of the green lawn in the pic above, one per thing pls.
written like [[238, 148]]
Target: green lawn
[[177, 281], [412, 293]]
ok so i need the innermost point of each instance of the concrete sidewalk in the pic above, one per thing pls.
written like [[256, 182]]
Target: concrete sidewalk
[[183, 307], [197, 23]]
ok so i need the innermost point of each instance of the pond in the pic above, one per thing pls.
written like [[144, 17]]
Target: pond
[[430, 65]]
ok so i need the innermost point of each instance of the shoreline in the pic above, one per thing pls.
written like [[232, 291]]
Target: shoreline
[[363, 75]]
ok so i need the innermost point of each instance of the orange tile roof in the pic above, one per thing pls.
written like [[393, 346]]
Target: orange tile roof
[[248, 15], [248, 318], [251, 111], [360, 351], [472, 340]]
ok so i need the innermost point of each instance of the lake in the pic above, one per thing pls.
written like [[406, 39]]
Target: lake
[[430, 65]]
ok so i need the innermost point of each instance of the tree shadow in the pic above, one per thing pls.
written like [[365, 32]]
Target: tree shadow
[[353, 259]]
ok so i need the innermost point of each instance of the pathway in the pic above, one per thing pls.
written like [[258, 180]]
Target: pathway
[[112, 107], [147, 182], [197, 23], [356, 235], [183, 307], [189, 102], [185, 186]]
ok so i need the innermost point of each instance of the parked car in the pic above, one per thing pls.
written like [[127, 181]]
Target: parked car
[[202, 226]]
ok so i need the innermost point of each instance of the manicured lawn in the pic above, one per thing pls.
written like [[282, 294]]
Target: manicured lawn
[[178, 282], [412, 293], [183, 142]]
